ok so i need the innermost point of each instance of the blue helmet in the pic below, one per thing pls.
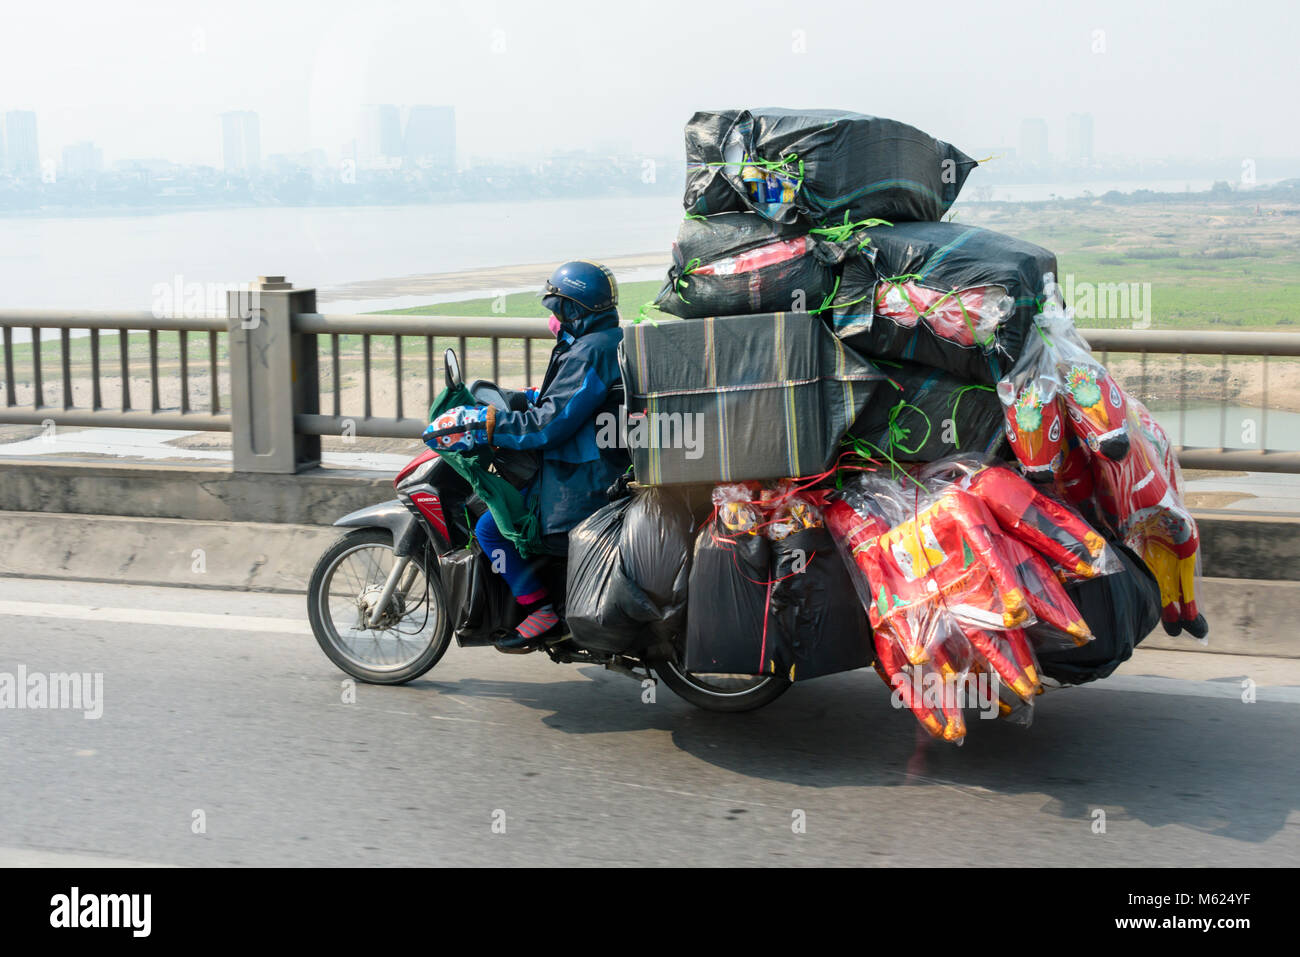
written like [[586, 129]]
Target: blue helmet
[[589, 284]]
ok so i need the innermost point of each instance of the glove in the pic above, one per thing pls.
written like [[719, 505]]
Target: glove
[[473, 425], [619, 490]]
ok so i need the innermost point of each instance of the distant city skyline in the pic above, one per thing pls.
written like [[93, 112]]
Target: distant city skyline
[[241, 141], [1078, 138], [146, 80], [21, 148], [428, 138]]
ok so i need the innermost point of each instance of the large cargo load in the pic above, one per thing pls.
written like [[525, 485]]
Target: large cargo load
[[628, 567], [818, 166], [956, 297], [924, 414], [740, 397], [735, 264]]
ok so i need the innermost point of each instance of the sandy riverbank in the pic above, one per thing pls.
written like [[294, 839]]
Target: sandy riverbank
[[474, 282]]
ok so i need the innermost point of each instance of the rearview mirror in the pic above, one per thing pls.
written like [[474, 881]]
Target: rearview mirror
[[451, 368]]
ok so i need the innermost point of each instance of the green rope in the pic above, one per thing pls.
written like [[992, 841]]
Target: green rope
[[854, 302], [842, 231], [970, 324], [781, 165], [830, 298], [898, 434], [680, 282], [956, 444], [644, 316], [859, 444]]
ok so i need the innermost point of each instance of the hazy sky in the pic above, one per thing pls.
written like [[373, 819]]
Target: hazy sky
[[146, 79]]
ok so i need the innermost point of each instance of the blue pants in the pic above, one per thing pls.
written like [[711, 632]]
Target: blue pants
[[505, 558]]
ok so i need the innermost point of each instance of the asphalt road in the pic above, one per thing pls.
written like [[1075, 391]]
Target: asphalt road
[[242, 727]]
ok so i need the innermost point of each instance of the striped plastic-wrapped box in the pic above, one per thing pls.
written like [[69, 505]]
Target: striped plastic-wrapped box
[[739, 397]]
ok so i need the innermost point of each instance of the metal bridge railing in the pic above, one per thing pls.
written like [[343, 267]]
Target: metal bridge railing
[[457, 331], [293, 375], [1145, 343], [126, 412]]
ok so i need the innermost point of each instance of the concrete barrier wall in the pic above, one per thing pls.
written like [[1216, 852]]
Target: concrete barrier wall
[[161, 551], [211, 528], [1233, 544], [209, 494]]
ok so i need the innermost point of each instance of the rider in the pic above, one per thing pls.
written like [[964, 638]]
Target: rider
[[560, 422]]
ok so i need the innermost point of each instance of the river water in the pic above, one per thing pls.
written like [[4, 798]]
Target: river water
[[115, 261]]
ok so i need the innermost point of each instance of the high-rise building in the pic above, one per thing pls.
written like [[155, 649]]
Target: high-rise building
[[82, 159], [431, 137], [380, 142], [1033, 142], [1078, 137], [241, 141], [22, 157]]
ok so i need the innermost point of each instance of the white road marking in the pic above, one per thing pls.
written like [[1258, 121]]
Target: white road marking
[[37, 857], [147, 616]]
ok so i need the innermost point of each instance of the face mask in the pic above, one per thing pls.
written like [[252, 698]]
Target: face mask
[[554, 323]]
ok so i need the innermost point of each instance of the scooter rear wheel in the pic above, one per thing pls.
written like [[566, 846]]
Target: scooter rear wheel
[[724, 693]]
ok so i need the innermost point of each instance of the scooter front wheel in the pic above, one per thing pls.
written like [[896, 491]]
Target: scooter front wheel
[[348, 584]]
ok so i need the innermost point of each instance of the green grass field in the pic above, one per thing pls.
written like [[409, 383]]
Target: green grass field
[[1209, 265]]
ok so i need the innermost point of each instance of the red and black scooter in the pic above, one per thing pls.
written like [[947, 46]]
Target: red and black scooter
[[387, 597]]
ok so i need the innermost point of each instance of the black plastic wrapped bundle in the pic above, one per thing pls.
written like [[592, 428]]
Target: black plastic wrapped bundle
[[740, 263], [628, 569], [962, 298], [927, 414], [727, 630], [822, 625], [831, 162], [479, 598], [1121, 609], [739, 397]]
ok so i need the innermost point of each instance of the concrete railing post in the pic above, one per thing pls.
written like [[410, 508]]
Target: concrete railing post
[[273, 376]]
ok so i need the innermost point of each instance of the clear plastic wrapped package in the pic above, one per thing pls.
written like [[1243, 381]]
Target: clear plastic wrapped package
[[1068, 420]]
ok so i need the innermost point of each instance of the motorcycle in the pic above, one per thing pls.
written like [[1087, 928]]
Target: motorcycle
[[379, 603]]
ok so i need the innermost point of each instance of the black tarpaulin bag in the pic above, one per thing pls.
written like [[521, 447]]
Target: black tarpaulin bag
[[478, 599], [629, 565], [948, 295], [1120, 609], [727, 628], [818, 165], [739, 397], [822, 625], [925, 414], [741, 263]]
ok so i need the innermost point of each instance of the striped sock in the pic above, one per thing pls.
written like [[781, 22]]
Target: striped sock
[[542, 619]]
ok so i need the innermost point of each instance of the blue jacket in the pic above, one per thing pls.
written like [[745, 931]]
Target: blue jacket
[[582, 381]]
